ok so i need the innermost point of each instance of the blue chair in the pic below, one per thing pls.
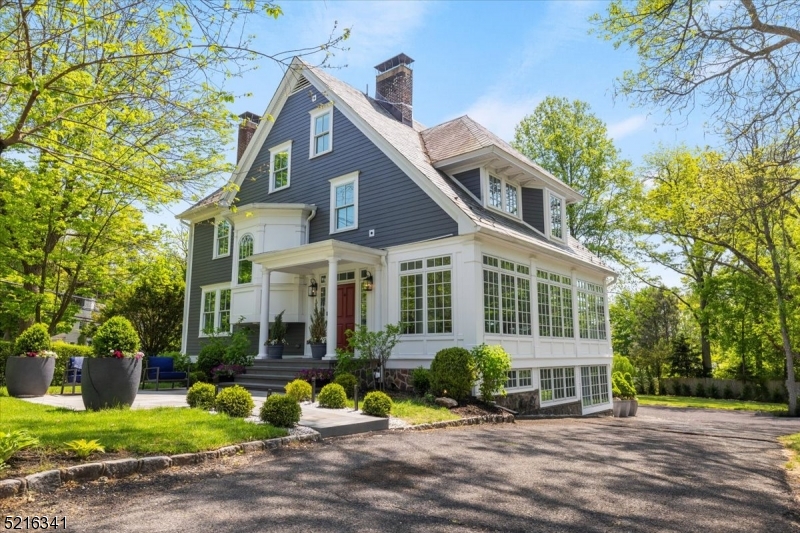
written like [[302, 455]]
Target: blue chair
[[161, 369], [72, 374]]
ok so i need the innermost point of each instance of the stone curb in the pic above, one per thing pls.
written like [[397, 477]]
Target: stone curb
[[50, 480], [486, 419]]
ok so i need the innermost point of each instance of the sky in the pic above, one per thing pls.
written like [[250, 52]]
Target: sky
[[494, 61]]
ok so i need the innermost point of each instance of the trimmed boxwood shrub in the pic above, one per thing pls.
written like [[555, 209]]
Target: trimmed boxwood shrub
[[421, 380], [234, 401], [197, 377], [299, 390], [280, 411], [332, 396], [348, 383], [377, 403], [34, 339], [201, 396], [116, 333], [452, 373]]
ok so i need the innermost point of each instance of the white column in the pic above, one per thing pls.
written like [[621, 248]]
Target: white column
[[263, 328], [331, 306]]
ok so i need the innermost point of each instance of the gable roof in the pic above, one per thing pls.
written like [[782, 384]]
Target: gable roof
[[415, 150]]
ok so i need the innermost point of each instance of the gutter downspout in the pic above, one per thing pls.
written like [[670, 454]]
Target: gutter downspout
[[308, 223]]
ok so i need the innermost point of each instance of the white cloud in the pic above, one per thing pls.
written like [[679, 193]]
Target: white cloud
[[500, 114], [622, 129]]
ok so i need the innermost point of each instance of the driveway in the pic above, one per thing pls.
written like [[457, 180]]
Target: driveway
[[665, 470]]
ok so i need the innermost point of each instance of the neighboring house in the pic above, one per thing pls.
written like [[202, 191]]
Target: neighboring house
[[448, 230], [83, 318]]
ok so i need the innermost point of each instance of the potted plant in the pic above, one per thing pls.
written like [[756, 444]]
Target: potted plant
[[624, 395], [226, 373], [277, 338], [317, 333], [111, 377], [30, 373]]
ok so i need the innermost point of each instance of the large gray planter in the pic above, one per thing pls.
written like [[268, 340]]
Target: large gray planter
[[108, 382], [621, 408], [318, 350], [634, 407], [29, 376], [275, 351]]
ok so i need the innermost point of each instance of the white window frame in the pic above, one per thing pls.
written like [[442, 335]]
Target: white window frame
[[338, 182], [217, 223], [239, 259], [504, 184], [424, 269], [594, 386], [548, 216], [591, 310], [216, 290], [315, 113], [518, 272], [514, 379], [568, 311], [275, 150], [555, 381]]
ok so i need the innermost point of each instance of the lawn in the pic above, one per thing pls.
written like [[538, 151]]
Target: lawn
[[710, 403], [415, 411]]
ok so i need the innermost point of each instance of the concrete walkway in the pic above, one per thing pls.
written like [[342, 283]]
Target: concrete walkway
[[328, 422]]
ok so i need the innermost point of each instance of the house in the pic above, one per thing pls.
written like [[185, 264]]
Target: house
[[448, 230]]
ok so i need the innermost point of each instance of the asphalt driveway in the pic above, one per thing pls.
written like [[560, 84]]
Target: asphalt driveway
[[666, 470]]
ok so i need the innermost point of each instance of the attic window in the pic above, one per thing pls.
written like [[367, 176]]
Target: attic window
[[301, 84], [503, 196], [556, 219]]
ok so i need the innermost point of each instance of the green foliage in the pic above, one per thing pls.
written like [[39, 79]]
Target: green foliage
[[779, 394], [318, 330], [700, 390], [686, 390], [622, 386], [234, 401], [299, 390], [65, 351], [180, 361], [348, 383], [348, 363], [34, 339], [620, 363], [277, 332], [280, 411], [6, 351], [748, 393], [83, 448], [116, 333], [453, 373], [421, 381], [12, 442], [211, 354], [332, 396], [201, 396], [197, 377], [492, 364], [237, 352], [374, 346], [714, 391], [727, 392], [377, 403], [685, 362]]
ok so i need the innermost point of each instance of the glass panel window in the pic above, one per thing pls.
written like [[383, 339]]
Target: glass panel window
[[245, 274], [503, 195], [321, 132], [556, 217], [440, 310], [511, 199], [525, 377], [506, 297], [434, 282], [591, 310], [224, 310], [411, 303], [511, 379], [491, 301], [555, 305], [557, 383], [216, 311], [524, 305], [223, 238], [495, 192], [280, 170], [594, 385], [508, 288], [209, 309], [345, 206]]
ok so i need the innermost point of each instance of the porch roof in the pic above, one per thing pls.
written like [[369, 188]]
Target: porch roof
[[306, 258]]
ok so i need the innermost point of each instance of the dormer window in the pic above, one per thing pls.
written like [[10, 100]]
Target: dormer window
[[503, 196], [321, 131], [280, 158], [556, 217]]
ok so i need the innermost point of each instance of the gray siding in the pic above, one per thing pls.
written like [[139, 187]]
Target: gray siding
[[205, 271], [471, 179], [533, 207], [388, 201]]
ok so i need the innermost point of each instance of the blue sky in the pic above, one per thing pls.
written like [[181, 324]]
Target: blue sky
[[494, 61]]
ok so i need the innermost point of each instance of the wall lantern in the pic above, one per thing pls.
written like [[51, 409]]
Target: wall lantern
[[366, 282], [312, 288]]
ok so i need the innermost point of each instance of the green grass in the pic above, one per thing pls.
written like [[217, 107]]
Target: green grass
[[710, 403], [792, 442], [164, 430], [415, 411]]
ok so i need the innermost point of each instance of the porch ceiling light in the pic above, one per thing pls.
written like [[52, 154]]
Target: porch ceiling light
[[312, 288], [366, 282]]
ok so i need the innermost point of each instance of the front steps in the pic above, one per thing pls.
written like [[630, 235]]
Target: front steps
[[274, 374]]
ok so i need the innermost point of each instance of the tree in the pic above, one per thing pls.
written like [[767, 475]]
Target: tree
[[142, 81], [685, 362], [570, 142], [739, 58]]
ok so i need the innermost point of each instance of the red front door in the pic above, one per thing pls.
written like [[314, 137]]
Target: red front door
[[346, 312]]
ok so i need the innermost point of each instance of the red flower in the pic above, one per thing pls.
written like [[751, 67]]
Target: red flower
[[118, 354], [31, 354]]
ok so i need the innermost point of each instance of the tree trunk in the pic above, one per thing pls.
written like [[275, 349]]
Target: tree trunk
[[705, 342]]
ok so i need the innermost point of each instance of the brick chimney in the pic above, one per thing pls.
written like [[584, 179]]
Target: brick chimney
[[394, 87], [247, 127]]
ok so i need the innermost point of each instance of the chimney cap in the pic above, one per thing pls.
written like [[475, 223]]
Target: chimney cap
[[252, 117], [399, 59]]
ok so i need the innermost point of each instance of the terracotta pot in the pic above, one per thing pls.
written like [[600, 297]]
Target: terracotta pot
[[29, 376], [107, 382]]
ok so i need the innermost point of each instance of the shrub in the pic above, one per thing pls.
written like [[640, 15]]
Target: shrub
[[676, 388], [492, 364], [12, 442], [83, 448], [332, 396], [377, 403], [727, 392], [280, 411], [34, 339], [622, 387], [714, 392], [6, 351], [65, 351], [116, 333], [700, 390], [348, 383], [210, 356], [778, 395], [421, 380], [299, 390], [234, 401], [197, 377], [452, 373], [180, 362], [237, 351], [747, 392], [686, 390], [201, 395]]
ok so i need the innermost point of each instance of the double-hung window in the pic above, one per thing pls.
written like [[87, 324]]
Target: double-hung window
[[591, 310], [594, 382], [554, 293], [506, 297], [280, 163], [344, 202], [557, 383], [321, 131], [216, 315], [245, 270], [503, 196], [222, 239], [518, 379], [556, 218], [426, 296]]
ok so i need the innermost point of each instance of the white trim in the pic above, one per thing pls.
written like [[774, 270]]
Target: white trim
[[239, 259], [187, 292], [216, 288], [352, 177], [566, 399], [275, 150], [315, 114], [548, 216], [218, 221], [504, 184]]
